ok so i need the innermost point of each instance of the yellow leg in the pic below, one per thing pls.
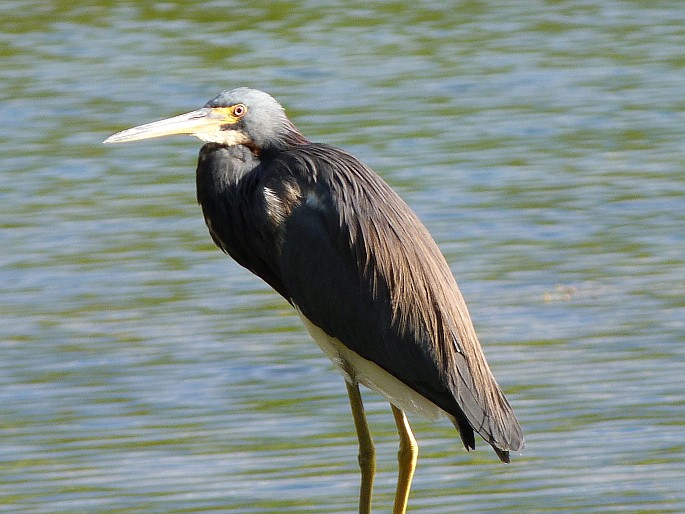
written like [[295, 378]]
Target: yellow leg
[[406, 457], [367, 452]]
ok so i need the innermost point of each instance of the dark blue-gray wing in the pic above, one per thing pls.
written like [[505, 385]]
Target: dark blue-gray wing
[[359, 264]]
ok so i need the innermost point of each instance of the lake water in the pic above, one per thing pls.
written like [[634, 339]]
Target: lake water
[[541, 142]]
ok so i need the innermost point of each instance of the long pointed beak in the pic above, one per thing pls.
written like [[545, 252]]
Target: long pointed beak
[[201, 123]]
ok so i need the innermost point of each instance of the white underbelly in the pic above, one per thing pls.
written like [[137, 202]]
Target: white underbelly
[[357, 369]]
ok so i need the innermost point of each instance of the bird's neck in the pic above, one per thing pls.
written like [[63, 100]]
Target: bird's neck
[[288, 137], [221, 169]]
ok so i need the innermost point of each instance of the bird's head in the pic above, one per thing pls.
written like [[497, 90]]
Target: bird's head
[[242, 116]]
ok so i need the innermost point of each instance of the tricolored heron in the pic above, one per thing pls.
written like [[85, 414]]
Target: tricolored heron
[[370, 284]]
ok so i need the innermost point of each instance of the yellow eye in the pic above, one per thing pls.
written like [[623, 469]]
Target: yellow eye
[[239, 110]]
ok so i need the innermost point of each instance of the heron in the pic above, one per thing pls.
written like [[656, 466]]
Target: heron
[[363, 273]]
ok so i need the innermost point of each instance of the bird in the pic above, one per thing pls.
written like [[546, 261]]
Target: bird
[[361, 270]]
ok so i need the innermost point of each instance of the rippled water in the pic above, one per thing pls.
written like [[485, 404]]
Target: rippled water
[[542, 144]]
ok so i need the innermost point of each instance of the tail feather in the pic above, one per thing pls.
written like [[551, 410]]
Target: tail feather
[[502, 454], [467, 437]]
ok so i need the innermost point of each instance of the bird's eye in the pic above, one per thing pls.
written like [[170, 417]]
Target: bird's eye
[[239, 110]]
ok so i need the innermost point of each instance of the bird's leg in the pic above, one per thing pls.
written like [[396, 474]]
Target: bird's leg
[[367, 452], [406, 457]]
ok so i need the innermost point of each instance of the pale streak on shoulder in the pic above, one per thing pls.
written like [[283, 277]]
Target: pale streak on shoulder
[[274, 206], [279, 207]]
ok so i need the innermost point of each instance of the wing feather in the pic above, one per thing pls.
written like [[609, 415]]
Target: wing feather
[[361, 266]]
